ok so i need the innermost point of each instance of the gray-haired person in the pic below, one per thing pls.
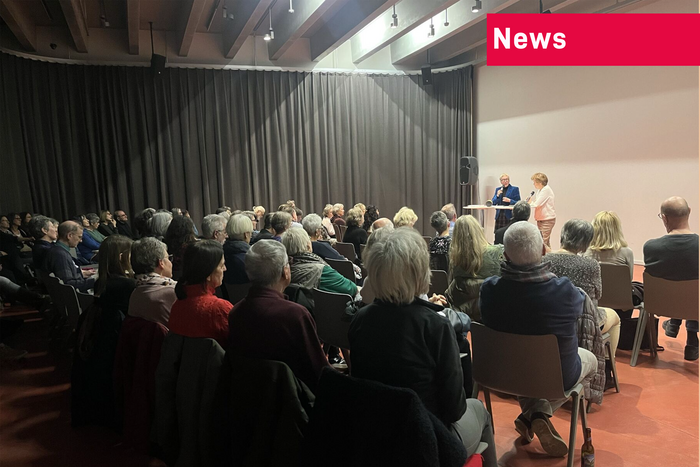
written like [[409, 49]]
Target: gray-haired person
[[521, 212]]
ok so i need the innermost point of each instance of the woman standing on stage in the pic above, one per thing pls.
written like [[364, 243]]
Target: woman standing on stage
[[543, 202]]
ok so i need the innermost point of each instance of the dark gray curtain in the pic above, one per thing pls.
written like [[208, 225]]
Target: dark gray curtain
[[77, 138]]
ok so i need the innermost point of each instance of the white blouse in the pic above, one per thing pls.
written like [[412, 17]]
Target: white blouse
[[544, 204], [326, 222]]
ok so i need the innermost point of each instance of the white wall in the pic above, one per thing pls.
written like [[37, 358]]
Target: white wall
[[608, 138]]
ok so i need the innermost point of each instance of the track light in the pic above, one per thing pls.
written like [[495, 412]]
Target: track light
[[447, 23], [271, 34], [224, 11], [477, 6], [291, 7], [431, 31], [394, 20]]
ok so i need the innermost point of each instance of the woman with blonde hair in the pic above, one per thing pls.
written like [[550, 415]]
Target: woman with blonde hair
[[609, 244], [543, 202], [472, 259], [406, 217]]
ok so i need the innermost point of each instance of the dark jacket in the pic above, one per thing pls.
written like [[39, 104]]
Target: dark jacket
[[325, 250], [124, 228], [672, 257], [234, 256], [410, 346], [384, 425], [357, 236], [39, 251], [263, 235], [61, 264], [262, 413], [107, 230]]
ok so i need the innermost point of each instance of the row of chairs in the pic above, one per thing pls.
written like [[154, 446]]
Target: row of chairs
[[68, 302]]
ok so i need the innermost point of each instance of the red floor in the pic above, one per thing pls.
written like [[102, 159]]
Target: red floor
[[652, 422]]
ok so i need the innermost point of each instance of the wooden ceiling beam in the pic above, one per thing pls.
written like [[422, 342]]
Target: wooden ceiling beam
[[191, 14], [133, 21], [19, 25], [76, 23], [236, 31]]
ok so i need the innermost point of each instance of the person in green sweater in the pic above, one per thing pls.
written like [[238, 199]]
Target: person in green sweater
[[310, 270]]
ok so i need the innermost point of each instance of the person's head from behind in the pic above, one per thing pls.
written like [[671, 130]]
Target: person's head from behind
[[115, 260], [374, 237], [312, 224], [214, 228], [160, 223], [521, 211], [143, 222], [398, 265], [405, 217], [43, 228], [468, 245], [267, 265], [523, 245], [354, 218], [202, 266], [576, 235], [362, 207], [439, 222], [371, 215], [180, 231], [150, 255], [675, 213], [240, 228], [296, 241], [280, 222], [291, 210], [381, 223], [450, 212], [70, 233], [607, 232], [267, 221]]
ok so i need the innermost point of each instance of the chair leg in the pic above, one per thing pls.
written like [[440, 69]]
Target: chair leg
[[608, 348], [487, 398], [651, 332], [576, 399], [588, 406], [641, 326], [475, 390], [584, 417]]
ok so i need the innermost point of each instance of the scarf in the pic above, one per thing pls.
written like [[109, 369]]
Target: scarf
[[537, 273], [153, 278]]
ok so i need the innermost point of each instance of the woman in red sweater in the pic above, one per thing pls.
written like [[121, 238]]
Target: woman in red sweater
[[198, 312]]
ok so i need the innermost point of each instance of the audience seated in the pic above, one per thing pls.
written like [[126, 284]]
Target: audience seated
[[338, 213], [521, 212], [371, 215], [583, 272], [26, 218], [197, 311], [280, 223], [327, 220], [355, 233], [214, 228], [143, 223], [609, 244], [17, 226], [309, 270], [160, 223], [267, 326], [451, 214], [440, 244], [313, 226], [45, 232], [108, 226], [405, 218], [472, 260], [266, 233], [402, 341], [240, 230], [381, 223], [123, 227], [60, 262], [529, 299], [155, 290], [92, 238], [180, 233], [675, 257]]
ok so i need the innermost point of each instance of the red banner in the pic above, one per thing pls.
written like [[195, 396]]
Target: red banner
[[593, 40]]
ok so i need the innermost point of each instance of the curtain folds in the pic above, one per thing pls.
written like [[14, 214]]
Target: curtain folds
[[77, 138]]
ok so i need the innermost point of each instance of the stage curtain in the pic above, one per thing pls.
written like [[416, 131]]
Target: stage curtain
[[79, 138]]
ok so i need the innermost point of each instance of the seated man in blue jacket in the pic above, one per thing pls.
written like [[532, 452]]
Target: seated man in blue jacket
[[528, 299], [60, 262], [504, 195]]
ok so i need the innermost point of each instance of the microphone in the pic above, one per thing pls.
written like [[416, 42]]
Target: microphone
[[532, 193], [503, 193]]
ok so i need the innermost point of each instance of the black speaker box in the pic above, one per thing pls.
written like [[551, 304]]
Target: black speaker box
[[427, 72], [468, 170], [157, 64]]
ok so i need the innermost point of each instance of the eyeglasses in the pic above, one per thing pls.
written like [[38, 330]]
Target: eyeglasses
[[660, 216], [170, 258]]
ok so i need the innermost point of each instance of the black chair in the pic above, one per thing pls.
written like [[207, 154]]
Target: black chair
[[438, 283], [344, 267], [332, 323], [439, 262], [346, 249]]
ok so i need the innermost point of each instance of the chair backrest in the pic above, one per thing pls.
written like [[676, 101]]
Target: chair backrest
[[527, 366], [427, 240], [344, 267], [237, 292], [439, 262], [332, 322], [346, 249], [438, 283], [617, 286], [362, 250], [367, 292], [69, 300], [340, 231], [53, 284], [675, 299], [84, 300]]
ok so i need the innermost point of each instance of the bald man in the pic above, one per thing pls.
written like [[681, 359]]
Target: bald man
[[675, 257], [381, 223]]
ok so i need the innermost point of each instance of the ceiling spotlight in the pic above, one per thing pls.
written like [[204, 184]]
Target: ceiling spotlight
[[431, 31], [104, 22], [271, 34], [267, 37], [224, 11], [394, 20], [477, 6], [447, 23], [230, 16], [291, 7]]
